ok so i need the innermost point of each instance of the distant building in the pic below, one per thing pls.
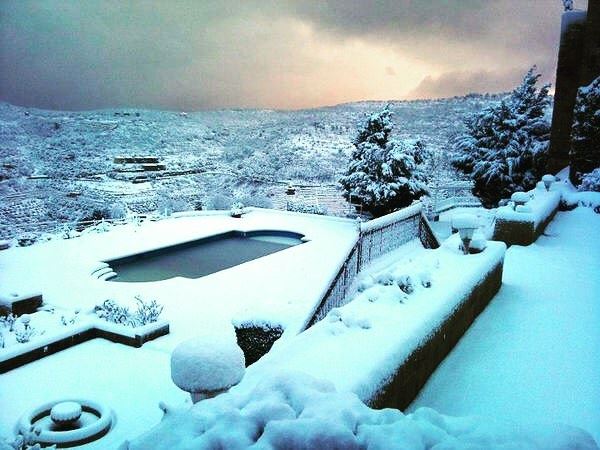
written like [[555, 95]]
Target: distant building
[[578, 65]]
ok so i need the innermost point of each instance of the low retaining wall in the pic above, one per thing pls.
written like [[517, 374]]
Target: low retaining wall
[[523, 228], [422, 362], [45, 348]]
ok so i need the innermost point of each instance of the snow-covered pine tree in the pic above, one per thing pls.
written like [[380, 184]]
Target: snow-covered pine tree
[[506, 145], [585, 134], [384, 174]]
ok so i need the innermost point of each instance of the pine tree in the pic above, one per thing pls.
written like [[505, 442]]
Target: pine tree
[[384, 174], [585, 135], [506, 145]]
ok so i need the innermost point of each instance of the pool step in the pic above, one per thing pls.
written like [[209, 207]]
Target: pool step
[[101, 272], [98, 268], [108, 275]]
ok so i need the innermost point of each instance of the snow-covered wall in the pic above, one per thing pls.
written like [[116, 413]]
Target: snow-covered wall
[[525, 223]]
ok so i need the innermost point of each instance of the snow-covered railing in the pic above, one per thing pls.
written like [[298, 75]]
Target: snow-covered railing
[[384, 234], [455, 202], [377, 237]]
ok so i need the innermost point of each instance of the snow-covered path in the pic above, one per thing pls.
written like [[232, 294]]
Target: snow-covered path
[[534, 355]]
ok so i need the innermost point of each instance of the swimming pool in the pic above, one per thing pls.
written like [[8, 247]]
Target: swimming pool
[[202, 257]]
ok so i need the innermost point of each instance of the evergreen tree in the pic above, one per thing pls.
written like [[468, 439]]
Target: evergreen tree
[[585, 135], [506, 146], [384, 174]]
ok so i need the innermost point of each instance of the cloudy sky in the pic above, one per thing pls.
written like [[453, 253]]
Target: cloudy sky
[[201, 54]]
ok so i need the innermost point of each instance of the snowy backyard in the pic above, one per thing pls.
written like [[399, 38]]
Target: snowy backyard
[[523, 362], [300, 225]]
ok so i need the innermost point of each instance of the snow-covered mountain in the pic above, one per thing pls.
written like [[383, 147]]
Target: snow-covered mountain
[[59, 166]]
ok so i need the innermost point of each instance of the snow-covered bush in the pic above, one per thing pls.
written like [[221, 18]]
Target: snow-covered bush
[[585, 134], [168, 204], [207, 365], [591, 181], [111, 311], [146, 312], [8, 321], [118, 211], [26, 239], [506, 146], [219, 202], [23, 443], [301, 207], [237, 209], [384, 174]]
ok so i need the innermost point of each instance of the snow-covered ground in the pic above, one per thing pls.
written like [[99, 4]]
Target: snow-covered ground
[[211, 158], [533, 354], [282, 288]]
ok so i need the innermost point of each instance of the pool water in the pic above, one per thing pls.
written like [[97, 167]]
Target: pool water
[[202, 257]]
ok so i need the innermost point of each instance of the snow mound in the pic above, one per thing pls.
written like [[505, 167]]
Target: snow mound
[[292, 410], [464, 221], [208, 363]]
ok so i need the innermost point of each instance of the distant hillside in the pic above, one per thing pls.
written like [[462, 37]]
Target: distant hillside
[[209, 157]]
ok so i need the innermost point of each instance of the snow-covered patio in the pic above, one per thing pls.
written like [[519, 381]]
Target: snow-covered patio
[[533, 355]]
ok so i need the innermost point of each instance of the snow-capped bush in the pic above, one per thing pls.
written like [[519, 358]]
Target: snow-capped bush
[[301, 207], [585, 134], [591, 181], [385, 279], [405, 283], [384, 174], [237, 209], [365, 283], [207, 365], [146, 312], [26, 239], [506, 146]]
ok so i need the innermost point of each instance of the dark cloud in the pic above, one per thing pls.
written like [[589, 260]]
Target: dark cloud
[[192, 54], [461, 83]]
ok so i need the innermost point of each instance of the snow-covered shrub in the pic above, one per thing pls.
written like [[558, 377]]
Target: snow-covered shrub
[[385, 279], [365, 283], [111, 311], [591, 181], [118, 211], [384, 174], [219, 202], [146, 312], [207, 365], [256, 199], [585, 134], [405, 283], [301, 207], [168, 205], [26, 239], [506, 146], [237, 209], [8, 321], [23, 335], [26, 442], [425, 277]]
